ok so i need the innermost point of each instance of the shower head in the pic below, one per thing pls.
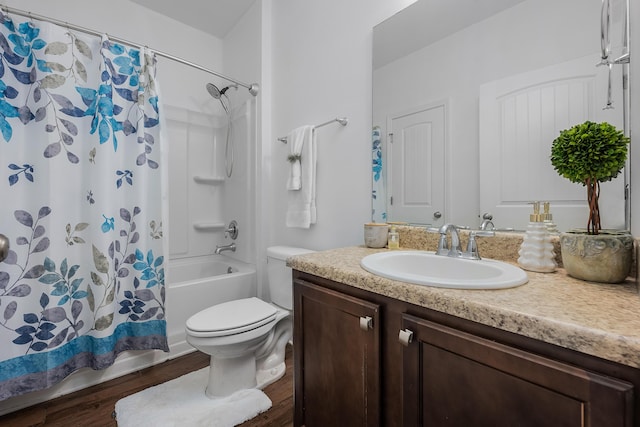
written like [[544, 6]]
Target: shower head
[[217, 93], [213, 90]]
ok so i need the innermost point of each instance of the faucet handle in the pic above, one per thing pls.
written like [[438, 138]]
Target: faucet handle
[[232, 230], [472, 246], [443, 244]]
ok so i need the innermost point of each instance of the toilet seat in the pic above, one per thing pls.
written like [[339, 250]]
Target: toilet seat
[[232, 317]]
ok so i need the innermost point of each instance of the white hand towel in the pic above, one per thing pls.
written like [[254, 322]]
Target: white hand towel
[[301, 204], [296, 140]]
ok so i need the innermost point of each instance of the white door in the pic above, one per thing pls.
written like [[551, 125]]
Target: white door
[[520, 116], [416, 175]]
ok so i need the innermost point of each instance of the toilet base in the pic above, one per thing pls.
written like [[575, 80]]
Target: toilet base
[[264, 377], [226, 376], [242, 375]]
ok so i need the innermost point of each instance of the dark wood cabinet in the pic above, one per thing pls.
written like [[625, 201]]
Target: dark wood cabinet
[[453, 372], [452, 378], [337, 352]]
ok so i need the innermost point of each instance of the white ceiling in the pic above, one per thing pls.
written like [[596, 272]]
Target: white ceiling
[[215, 17], [427, 21]]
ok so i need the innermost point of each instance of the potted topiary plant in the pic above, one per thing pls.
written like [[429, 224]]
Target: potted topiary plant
[[588, 154]]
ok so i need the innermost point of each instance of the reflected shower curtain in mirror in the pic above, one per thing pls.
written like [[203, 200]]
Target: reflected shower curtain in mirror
[[378, 194], [81, 204]]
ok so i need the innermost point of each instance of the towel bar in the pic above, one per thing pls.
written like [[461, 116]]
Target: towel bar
[[342, 120]]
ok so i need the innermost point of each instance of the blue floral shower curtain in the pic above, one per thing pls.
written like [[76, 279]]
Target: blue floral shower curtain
[[378, 194], [81, 204]]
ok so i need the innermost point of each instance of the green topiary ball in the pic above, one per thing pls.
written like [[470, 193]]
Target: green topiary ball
[[589, 151]]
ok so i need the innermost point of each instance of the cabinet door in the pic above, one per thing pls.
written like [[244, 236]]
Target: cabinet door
[[336, 358], [452, 378]]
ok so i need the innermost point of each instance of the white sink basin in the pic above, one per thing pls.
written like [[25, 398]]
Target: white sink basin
[[427, 268]]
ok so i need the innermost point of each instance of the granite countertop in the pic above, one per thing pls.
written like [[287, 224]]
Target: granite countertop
[[593, 318]]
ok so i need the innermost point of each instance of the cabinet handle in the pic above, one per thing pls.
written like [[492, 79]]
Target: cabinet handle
[[405, 337], [366, 323]]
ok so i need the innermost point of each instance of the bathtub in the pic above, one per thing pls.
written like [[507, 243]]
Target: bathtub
[[197, 283], [191, 285]]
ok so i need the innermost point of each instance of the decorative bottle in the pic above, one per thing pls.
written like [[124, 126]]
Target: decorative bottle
[[547, 218], [536, 252], [394, 238]]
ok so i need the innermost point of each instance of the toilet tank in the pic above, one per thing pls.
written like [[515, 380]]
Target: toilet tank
[[279, 275]]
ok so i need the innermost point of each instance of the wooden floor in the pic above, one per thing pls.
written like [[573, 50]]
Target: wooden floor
[[94, 406]]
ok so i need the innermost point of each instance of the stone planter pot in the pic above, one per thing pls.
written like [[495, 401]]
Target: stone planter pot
[[606, 257]]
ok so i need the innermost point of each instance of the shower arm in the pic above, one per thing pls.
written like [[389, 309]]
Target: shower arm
[[254, 88]]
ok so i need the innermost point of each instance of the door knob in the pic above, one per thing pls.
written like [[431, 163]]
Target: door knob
[[437, 215], [4, 247]]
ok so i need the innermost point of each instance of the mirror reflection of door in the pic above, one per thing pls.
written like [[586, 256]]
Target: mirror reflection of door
[[520, 116], [416, 166]]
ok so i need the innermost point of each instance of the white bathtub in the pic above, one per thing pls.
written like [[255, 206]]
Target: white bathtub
[[191, 285], [197, 283]]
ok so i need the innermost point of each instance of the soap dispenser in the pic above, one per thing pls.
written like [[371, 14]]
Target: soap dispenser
[[394, 238], [536, 252], [547, 218]]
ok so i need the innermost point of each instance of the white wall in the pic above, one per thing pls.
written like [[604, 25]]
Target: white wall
[[321, 68]]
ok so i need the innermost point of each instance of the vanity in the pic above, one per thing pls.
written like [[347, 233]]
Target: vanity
[[373, 351], [555, 351]]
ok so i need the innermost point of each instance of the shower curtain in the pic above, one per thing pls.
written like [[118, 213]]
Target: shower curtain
[[81, 204], [378, 194]]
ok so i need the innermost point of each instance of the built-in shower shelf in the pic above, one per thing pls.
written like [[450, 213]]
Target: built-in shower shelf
[[207, 179], [209, 226]]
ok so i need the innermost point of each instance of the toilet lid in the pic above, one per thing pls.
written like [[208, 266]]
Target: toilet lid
[[232, 317]]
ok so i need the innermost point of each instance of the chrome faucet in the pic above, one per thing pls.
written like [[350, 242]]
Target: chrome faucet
[[230, 247], [487, 224], [453, 250]]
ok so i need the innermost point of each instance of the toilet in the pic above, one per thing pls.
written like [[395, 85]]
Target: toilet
[[246, 338]]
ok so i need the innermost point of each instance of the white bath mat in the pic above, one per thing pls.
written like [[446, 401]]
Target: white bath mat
[[182, 402]]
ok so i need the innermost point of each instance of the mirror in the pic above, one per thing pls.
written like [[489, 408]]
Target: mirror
[[467, 98]]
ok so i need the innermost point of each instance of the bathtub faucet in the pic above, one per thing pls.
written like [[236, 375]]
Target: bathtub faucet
[[230, 247]]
